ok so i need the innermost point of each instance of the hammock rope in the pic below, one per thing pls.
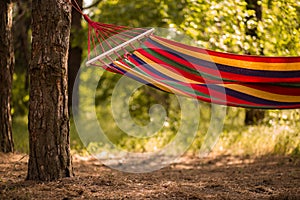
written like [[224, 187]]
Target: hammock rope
[[109, 39], [245, 81]]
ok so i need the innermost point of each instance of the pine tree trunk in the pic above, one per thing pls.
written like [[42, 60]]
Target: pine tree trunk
[[49, 140], [6, 73], [254, 116], [74, 59]]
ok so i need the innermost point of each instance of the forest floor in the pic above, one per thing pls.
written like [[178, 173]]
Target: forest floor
[[214, 177]]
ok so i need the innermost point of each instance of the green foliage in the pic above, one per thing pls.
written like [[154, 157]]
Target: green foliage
[[217, 25], [75, 141], [279, 31], [221, 25], [20, 133], [279, 134], [135, 13], [20, 95]]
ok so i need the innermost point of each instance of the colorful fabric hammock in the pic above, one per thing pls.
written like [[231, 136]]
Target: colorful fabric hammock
[[222, 78]]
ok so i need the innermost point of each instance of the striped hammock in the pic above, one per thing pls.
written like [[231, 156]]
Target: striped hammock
[[222, 78]]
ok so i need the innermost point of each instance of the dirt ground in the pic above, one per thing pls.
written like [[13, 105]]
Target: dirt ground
[[214, 177]]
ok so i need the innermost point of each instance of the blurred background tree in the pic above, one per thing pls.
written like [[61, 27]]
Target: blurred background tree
[[22, 42], [75, 57], [6, 74]]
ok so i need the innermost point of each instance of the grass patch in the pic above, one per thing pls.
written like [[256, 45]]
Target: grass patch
[[20, 133], [21, 140], [279, 134]]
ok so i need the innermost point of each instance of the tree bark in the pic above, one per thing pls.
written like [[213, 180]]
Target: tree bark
[[6, 73], [74, 59], [49, 140], [254, 116]]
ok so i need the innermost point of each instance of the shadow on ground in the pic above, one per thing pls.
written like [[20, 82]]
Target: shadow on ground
[[215, 177]]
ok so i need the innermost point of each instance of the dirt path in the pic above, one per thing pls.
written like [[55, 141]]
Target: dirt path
[[221, 177]]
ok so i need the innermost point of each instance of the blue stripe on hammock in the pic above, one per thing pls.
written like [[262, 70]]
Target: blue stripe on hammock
[[225, 68]]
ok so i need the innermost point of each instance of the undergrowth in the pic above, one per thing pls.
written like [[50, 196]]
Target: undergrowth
[[278, 134]]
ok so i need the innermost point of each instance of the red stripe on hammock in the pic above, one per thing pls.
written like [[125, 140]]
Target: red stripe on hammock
[[216, 72], [279, 59]]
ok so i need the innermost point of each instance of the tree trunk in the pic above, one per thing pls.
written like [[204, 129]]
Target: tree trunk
[[254, 116], [74, 58], [49, 140], [6, 72], [21, 29]]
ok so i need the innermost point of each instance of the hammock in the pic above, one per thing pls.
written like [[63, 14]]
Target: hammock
[[215, 77], [248, 81]]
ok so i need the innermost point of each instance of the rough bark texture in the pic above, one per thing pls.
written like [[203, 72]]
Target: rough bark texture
[[6, 72], [74, 59], [254, 116], [49, 142]]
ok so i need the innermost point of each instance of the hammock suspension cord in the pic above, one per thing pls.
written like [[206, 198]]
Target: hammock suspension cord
[[108, 42]]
